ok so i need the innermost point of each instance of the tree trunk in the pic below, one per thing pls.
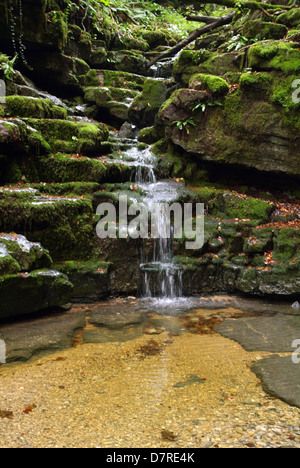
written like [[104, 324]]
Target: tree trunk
[[192, 37]]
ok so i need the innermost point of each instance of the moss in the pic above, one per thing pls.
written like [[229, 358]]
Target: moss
[[237, 207], [214, 84], [145, 106], [20, 106], [71, 137], [120, 79], [128, 61], [8, 265], [290, 18], [71, 188], [189, 59], [260, 241], [151, 135], [219, 64], [282, 92], [156, 38], [127, 43], [102, 96], [89, 79], [255, 81], [29, 256], [276, 55], [257, 29], [71, 267], [286, 244], [58, 31], [63, 168], [63, 226], [121, 94]]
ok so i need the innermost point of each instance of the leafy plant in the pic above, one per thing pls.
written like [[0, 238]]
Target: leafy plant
[[203, 105], [7, 65], [237, 42], [183, 125]]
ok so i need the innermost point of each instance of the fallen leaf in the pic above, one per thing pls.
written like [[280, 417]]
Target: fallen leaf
[[168, 435], [6, 414], [29, 409]]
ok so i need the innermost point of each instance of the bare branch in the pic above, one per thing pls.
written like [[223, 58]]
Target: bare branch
[[193, 36]]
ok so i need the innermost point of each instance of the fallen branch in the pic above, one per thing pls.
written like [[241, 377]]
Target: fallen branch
[[192, 37], [202, 19], [248, 5]]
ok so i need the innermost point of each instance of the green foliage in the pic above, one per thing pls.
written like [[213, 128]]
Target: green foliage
[[203, 105], [238, 42], [183, 125], [7, 65]]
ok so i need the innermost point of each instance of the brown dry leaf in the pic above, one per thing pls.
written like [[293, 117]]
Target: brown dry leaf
[[6, 414], [168, 435], [29, 409]]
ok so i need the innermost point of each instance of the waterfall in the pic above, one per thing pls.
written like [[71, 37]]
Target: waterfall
[[161, 276]]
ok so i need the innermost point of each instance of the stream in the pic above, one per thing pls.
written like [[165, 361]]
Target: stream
[[156, 370]]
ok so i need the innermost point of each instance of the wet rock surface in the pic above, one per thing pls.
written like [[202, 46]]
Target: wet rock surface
[[47, 333], [274, 334], [280, 377], [278, 333]]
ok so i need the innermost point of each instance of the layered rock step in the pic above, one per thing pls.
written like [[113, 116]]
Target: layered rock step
[[26, 269]]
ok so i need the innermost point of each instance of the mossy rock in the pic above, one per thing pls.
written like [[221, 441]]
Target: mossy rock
[[72, 137], [19, 106], [286, 244], [256, 81], [208, 63], [131, 43], [237, 207], [65, 226], [290, 18], [18, 137], [8, 265], [90, 279], [282, 93], [96, 95], [119, 79], [275, 55], [257, 29], [222, 134], [151, 135], [29, 256], [71, 188], [260, 241], [64, 168], [145, 106], [128, 61], [156, 38], [214, 84], [180, 105], [33, 292]]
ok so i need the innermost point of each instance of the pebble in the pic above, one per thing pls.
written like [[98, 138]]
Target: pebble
[[93, 398]]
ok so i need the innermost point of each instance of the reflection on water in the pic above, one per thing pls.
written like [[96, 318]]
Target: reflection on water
[[122, 320]]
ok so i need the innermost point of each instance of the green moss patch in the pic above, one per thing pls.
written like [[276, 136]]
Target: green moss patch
[[276, 55], [257, 29], [20, 106], [214, 84]]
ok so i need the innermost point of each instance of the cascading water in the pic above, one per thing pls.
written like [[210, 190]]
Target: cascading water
[[162, 278]]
